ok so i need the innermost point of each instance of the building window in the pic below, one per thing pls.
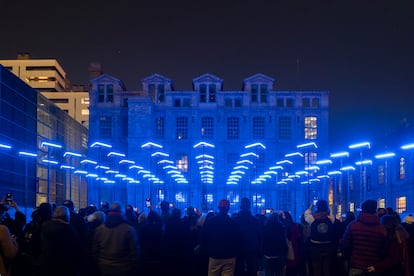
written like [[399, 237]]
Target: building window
[[160, 126], [177, 102], [263, 93], [228, 103], [85, 100], [401, 204], [181, 132], [401, 170], [105, 93], [237, 103], [212, 93], [305, 103], [254, 92], [381, 174], [315, 103], [310, 158], [182, 162], [85, 111], [160, 93], [105, 127], [311, 128], [290, 103], [60, 100], [279, 102], [381, 203], [186, 102], [207, 127], [203, 93], [285, 128], [258, 127], [233, 128]]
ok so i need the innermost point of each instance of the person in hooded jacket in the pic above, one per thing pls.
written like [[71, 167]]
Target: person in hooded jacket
[[115, 245]]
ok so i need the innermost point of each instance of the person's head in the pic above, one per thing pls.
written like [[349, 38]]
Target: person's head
[[322, 206], [409, 219], [390, 223], [69, 203], [350, 216], [369, 206], [97, 217], [245, 204], [116, 206], [62, 212], [165, 206], [43, 212], [224, 206]]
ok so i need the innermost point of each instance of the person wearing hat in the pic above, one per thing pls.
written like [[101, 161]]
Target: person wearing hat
[[220, 238], [364, 239]]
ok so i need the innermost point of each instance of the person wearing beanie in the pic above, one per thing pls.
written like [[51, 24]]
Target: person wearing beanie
[[220, 238], [364, 239]]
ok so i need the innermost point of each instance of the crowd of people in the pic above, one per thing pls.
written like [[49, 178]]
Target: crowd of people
[[117, 240]]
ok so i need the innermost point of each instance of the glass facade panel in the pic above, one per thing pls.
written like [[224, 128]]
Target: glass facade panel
[[181, 126], [233, 130]]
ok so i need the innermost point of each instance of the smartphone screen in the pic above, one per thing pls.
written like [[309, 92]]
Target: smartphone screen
[[148, 202]]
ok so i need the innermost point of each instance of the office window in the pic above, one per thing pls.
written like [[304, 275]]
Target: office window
[[177, 102], [258, 127], [311, 128], [105, 127], [285, 128], [254, 92], [85, 111], [381, 203], [305, 103], [263, 93], [401, 170], [203, 93], [381, 174], [233, 128], [60, 100], [401, 204], [315, 103], [182, 162], [85, 100], [207, 127], [160, 127], [181, 126], [310, 158]]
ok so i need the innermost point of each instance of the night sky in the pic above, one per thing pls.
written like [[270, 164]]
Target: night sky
[[360, 51]]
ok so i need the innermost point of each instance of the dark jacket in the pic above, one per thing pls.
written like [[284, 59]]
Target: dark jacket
[[250, 231], [364, 241], [220, 237], [115, 246], [274, 238], [60, 249]]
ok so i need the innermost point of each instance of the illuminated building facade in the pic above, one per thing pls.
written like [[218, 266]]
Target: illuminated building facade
[[194, 147], [31, 126]]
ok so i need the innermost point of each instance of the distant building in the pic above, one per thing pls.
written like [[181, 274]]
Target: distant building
[[187, 170], [27, 120], [48, 77]]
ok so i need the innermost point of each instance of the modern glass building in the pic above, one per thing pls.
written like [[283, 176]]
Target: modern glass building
[[34, 136], [195, 147]]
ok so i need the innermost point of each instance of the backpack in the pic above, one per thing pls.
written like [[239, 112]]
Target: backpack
[[322, 231]]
